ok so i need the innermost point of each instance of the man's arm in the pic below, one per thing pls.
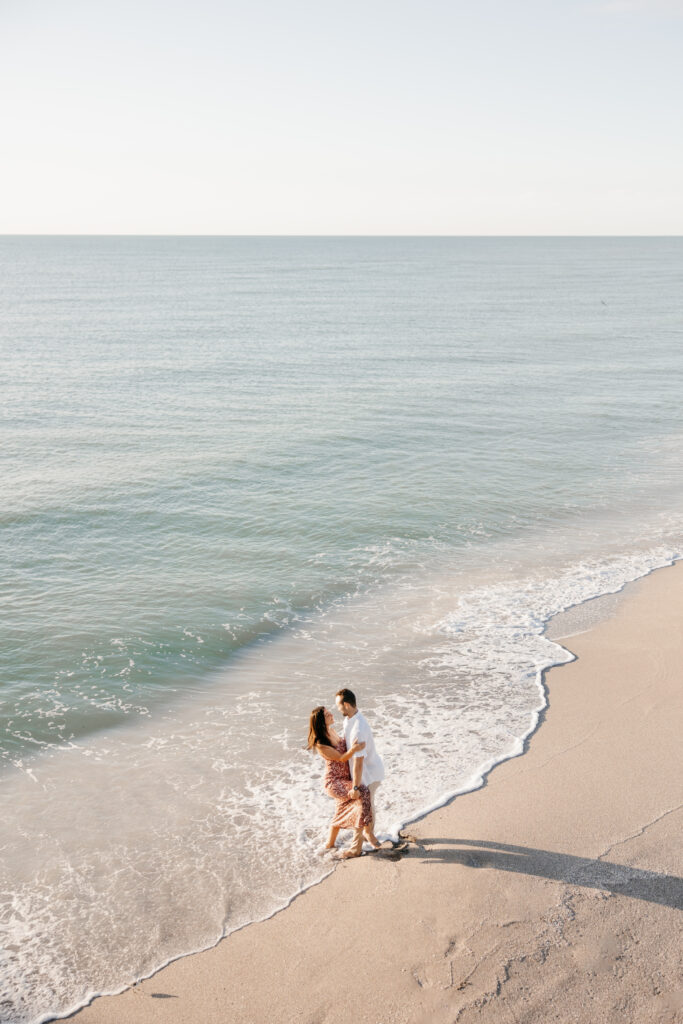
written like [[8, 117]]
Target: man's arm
[[357, 766], [357, 773]]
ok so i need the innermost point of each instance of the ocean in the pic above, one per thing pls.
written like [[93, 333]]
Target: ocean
[[240, 473]]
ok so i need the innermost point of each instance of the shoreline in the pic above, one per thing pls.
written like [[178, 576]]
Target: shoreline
[[191, 985]]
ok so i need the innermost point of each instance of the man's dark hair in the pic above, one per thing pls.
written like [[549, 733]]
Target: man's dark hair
[[347, 696]]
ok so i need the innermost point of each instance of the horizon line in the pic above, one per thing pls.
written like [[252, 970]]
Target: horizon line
[[171, 234]]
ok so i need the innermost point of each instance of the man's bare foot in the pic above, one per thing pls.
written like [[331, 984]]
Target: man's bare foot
[[371, 838]]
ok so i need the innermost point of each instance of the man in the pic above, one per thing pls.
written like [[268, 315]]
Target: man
[[366, 768]]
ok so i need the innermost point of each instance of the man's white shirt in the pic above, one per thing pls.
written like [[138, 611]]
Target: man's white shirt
[[357, 730]]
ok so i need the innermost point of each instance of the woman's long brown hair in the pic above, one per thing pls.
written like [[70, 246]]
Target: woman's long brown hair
[[317, 730]]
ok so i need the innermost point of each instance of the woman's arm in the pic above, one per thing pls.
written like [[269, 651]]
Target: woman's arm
[[354, 750], [330, 754]]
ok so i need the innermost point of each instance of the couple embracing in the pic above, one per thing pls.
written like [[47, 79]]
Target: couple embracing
[[353, 789]]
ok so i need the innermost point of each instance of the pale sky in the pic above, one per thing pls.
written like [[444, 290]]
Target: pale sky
[[307, 117]]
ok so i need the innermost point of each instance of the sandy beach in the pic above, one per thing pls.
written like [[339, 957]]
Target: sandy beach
[[551, 894]]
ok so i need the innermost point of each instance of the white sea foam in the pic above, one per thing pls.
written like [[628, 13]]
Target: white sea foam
[[180, 833]]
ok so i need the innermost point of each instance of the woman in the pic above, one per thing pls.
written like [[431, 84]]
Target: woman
[[353, 809]]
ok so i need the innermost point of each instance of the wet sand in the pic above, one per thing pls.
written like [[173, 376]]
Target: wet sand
[[551, 894]]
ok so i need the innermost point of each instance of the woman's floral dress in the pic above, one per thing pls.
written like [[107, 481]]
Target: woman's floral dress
[[349, 812]]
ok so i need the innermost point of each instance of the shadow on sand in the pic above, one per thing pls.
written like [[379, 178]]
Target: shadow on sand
[[560, 867]]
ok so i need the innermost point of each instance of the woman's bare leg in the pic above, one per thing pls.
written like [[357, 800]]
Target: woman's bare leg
[[332, 837], [356, 846]]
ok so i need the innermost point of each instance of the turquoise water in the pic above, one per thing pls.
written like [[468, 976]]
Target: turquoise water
[[241, 472]]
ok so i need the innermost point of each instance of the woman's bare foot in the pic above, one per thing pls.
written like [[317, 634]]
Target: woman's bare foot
[[344, 855]]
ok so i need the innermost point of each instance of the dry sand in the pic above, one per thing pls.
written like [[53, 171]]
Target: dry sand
[[552, 894]]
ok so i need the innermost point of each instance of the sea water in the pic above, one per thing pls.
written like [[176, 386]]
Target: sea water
[[240, 473]]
